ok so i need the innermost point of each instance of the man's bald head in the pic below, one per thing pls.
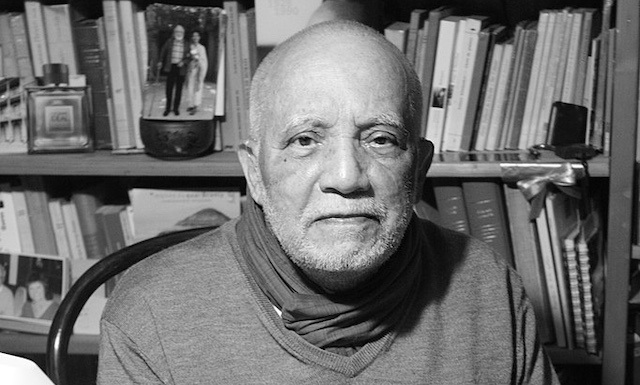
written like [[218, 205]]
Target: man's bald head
[[332, 43]]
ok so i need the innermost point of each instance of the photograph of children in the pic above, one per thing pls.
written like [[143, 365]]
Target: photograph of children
[[32, 286], [183, 62]]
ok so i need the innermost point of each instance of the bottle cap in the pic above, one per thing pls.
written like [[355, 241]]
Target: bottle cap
[[55, 74]]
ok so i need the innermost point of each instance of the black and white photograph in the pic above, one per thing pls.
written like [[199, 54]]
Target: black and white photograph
[[183, 60], [31, 288]]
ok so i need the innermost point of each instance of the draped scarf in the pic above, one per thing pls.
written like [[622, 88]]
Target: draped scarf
[[338, 322]]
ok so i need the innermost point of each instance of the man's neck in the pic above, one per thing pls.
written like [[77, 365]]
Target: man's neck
[[335, 282]]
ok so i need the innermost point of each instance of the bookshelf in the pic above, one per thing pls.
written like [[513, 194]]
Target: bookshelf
[[617, 168]]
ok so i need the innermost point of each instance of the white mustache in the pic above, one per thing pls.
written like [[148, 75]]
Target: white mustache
[[368, 209]]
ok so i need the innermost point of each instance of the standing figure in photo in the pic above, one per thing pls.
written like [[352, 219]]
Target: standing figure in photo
[[6, 295], [198, 65], [173, 61], [40, 302]]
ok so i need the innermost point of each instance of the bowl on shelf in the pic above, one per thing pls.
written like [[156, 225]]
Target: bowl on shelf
[[179, 139]]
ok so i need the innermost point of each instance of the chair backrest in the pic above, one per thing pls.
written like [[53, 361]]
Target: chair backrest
[[106, 268]]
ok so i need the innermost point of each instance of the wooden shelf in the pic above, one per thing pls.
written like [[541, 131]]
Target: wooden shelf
[[226, 164], [25, 343]]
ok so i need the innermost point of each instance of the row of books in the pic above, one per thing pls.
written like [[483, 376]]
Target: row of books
[[116, 54], [82, 226], [488, 87], [557, 254]]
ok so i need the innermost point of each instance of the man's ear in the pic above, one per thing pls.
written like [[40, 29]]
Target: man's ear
[[424, 158], [248, 157]]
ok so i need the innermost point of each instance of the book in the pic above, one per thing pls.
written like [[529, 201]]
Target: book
[[590, 25], [451, 207], [236, 101], [519, 90], [416, 23], [397, 33], [220, 105], [87, 201], [129, 51], [573, 60], [529, 129], [32, 270], [59, 230], [73, 230], [563, 221], [527, 260], [438, 99], [487, 218], [18, 26], [57, 22], [9, 59], [122, 136], [92, 62], [467, 50], [9, 232], [38, 208], [551, 77], [546, 253], [500, 100], [488, 99], [22, 220], [181, 209], [37, 35], [431, 44], [248, 54]]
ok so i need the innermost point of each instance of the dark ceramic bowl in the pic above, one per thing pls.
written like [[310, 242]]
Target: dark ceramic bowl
[[177, 139]]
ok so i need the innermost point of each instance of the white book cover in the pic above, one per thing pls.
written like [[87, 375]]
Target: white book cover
[[438, 100], [550, 78], [533, 101], [489, 97], [37, 35], [74, 232], [129, 46], [157, 211], [464, 67], [546, 251], [22, 221], [500, 100], [57, 19], [571, 68], [124, 127], [59, 230], [9, 232]]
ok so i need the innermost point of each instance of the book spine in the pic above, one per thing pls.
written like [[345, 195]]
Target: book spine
[[86, 205], [432, 36], [397, 33], [22, 221], [484, 120], [415, 23], [123, 138], [237, 105], [9, 60], [132, 68], [38, 208], [37, 37], [573, 277], [92, 65], [447, 37], [21, 42], [9, 235], [487, 218], [57, 221], [571, 69], [57, 20], [451, 207], [74, 232]]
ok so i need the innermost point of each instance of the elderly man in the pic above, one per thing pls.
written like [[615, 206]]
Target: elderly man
[[173, 60], [327, 277]]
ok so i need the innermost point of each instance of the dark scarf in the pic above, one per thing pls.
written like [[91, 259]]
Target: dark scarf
[[342, 322]]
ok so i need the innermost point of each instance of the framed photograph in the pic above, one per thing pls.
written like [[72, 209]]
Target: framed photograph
[[31, 289], [183, 61]]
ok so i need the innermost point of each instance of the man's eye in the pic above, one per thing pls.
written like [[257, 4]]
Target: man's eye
[[383, 140], [303, 141]]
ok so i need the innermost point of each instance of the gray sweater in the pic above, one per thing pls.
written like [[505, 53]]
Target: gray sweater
[[191, 315]]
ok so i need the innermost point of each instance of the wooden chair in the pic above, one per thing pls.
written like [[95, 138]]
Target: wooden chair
[[72, 303]]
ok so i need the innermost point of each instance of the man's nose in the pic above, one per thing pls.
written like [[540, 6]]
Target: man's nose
[[345, 168]]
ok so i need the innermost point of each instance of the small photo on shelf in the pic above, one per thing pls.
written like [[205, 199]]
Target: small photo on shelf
[[183, 45], [31, 289]]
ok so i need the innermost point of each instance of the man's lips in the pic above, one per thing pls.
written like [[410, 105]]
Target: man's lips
[[346, 218]]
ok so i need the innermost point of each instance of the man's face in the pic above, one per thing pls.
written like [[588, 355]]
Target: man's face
[[338, 163], [178, 33]]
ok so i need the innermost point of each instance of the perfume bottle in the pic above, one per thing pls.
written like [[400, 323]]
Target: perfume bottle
[[59, 115]]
